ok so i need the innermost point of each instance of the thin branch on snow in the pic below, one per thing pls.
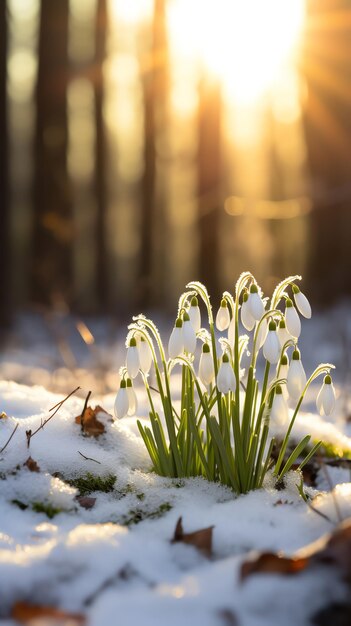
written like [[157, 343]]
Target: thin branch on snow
[[9, 439], [30, 434], [88, 458], [82, 414]]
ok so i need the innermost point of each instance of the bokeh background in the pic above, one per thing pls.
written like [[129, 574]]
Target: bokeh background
[[145, 143]]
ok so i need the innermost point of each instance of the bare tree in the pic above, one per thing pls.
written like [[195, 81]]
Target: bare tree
[[52, 203]]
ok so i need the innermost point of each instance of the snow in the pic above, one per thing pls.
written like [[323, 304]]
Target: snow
[[101, 564]]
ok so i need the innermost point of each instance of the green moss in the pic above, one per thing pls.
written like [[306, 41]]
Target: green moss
[[48, 509], [138, 515], [89, 482], [20, 504]]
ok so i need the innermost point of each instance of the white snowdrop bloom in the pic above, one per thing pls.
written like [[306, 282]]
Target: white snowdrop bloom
[[132, 360], [223, 316], [326, 397], [271, 346], [255, 303], [296, 378], [292, 320], [189, 335], [302, 302], [262, 334], [279, 410], [247, 320], [145, 355], [176, 340], [231, 331], [132, 398], [122, 401], [206, 367], [282, 332], [226, 377], [283, 366], [194, 314]]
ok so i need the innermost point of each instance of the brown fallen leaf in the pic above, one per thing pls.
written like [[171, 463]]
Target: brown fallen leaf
[[86, 501], [91, 425], [333, 549], [32, 465], [28, 614], [200, 539]]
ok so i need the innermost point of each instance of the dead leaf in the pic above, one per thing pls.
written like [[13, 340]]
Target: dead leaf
[[31, 614], [3, 415], [200, 539], [32, 465], [86, 501], [271, 563], [333, 549], [91, 425]]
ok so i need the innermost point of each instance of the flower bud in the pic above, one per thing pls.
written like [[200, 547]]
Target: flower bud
[[206, 367], [223, 316], [176, 340], [301, 302], [292, 320]]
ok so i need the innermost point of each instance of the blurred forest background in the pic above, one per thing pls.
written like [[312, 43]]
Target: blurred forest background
[[145, 143]]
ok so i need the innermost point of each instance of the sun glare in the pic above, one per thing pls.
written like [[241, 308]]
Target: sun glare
[[246, 43]]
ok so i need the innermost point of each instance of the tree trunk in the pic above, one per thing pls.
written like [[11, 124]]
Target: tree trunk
[[327, 121], [155, 85], [100, 156], [5, 309], [209, 183], [52, 271]]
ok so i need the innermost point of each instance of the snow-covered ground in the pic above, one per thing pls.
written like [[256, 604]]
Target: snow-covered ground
[[115, 562]]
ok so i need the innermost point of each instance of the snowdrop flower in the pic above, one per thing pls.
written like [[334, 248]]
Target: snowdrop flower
[[145, 355], [132, 398], [279, 410], [122, 401], [223, 316], [132, 361], [176, 340], [292, 320], [296, 378], [262, 334], [206, 367], [271, 346], [189, 335], [247, 320], [301, 302], [194, 314], [282, 333], [255, 303], [326, 397], [225, 377], [283, 366]]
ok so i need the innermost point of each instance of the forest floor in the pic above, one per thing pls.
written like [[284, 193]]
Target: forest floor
[[87, 530]]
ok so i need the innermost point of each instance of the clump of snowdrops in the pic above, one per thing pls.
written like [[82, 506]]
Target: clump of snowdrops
[[220, 427]]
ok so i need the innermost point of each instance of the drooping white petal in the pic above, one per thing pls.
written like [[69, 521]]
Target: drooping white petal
[[303, 304], [132, 361], [283, 335], [189, 337], [206, 368], [256, 305], [223, 318], [231, 332], [280, 411], [195, 317], [176, 342], [247, 319], [133, 401], [292, 321], [319, 401], [145, 356], [122, 402], [226, 378], [296, 379], [326, 397], [271, 347], [262, 334]]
